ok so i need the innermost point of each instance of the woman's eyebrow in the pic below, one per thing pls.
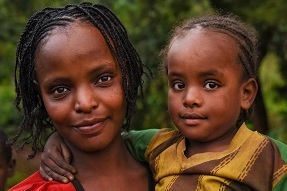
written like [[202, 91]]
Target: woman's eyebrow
[[102, 67]]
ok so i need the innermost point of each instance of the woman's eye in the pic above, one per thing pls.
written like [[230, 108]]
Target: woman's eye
[[178, 85], [211, 85], [60, 91], [104, 79]]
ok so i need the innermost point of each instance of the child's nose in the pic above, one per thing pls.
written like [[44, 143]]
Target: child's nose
[[192, 98], [85, 100]]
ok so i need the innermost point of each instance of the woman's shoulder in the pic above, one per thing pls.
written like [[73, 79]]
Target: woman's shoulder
[[36, 183]]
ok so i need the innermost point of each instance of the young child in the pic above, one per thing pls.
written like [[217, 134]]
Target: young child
[[7, 162], [211, 66], [76, 70]]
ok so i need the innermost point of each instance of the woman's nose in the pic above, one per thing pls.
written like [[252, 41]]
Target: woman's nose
[[85, 100]]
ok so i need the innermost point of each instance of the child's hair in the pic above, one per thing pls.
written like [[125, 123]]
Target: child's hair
[[244, 36], [5, 148], [39, 27]]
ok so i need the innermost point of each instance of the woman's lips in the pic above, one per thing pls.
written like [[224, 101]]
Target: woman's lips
[[90, 127]]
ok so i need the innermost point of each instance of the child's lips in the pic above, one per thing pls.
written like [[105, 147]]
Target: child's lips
[[192, 116], [192, 119]]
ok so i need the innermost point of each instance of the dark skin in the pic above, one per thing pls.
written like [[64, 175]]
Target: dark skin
[[209, 126], [65, 170], [135, 171], [68, 172], [199, 74], [88, 108], [192, 90]]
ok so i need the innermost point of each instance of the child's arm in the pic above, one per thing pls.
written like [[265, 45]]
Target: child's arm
[[56, 156], [55, 160], [137, 142]]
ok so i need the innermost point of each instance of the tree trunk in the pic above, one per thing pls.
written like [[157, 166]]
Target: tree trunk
[[260, 114]]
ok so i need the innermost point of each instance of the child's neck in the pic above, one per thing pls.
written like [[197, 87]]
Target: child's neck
[[217, 145]]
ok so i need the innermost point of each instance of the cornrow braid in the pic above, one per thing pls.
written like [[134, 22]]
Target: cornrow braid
[[40, 26], [244, 36]]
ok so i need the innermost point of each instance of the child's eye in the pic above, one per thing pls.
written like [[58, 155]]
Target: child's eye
[[211, 85], [104, 79], [178, 85]]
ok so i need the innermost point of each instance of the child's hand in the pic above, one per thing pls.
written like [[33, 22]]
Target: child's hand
[[55, 160]]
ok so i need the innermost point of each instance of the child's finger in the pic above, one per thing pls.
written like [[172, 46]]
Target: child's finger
[[61, 166], [45, 172], [66, 154], [45, 175], [59, 174], [55, 161], [49, 168], [64, 169]]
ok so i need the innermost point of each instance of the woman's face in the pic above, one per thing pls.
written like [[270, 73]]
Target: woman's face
[[81, 86]]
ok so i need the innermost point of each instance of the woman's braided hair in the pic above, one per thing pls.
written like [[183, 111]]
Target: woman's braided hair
[[39, 26]]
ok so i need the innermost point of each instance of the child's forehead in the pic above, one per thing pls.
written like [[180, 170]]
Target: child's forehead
[[198, 48], [201, 40], [206, 33]]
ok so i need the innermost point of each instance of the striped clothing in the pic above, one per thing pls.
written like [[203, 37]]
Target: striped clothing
[[252, 162]]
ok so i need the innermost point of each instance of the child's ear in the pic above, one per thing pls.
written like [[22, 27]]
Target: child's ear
[[248, 93], [11, 168]]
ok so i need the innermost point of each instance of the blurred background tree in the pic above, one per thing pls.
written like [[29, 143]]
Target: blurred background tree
[[149, 23], [270, 19]]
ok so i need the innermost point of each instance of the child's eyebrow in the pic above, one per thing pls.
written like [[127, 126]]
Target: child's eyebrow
[[203, 73], [209, 73], [173, 74]]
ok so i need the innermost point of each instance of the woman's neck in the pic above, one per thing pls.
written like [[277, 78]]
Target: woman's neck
[[112, 168], [103, 161]]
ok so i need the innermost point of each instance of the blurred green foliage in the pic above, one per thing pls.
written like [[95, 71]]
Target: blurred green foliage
[[149, 24], [9, 117]]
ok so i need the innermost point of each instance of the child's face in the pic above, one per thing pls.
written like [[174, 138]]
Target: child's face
[[81, 87], [205, 86]]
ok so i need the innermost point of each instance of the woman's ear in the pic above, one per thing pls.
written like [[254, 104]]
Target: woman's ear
[[36, 86], [249, 90]]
